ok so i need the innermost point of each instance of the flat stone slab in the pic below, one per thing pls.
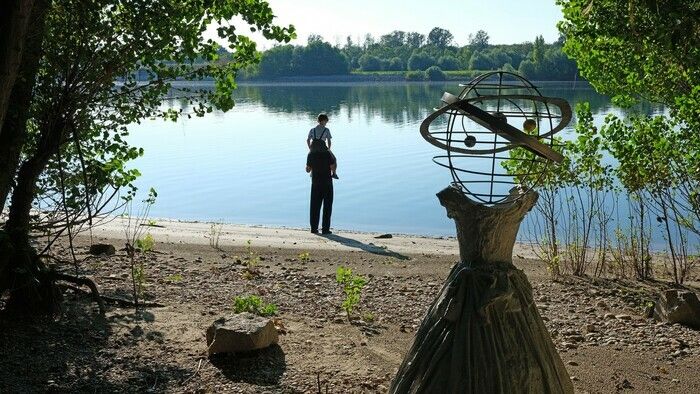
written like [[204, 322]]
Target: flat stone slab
[[242, 332]]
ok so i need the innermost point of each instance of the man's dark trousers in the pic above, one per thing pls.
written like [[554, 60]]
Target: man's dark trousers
[[321, 193]]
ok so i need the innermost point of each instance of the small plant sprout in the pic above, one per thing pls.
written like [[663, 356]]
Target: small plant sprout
[[136, 243], [215, 235], [146, 243], [305, 257], [253, 304], [252, 260], [174, 278], [352, 286]]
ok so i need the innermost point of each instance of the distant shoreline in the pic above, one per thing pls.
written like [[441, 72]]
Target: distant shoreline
[[363, 79], [373, 78]]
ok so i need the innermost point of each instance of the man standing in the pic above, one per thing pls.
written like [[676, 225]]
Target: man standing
[[318, 163]]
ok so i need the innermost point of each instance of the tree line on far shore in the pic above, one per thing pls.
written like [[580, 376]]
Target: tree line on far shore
[[416, 56]]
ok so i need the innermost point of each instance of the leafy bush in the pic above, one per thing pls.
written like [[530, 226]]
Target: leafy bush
[[434, 73], [370, 63], [146, 243], [396, 64], [481, 61], [415, 76], [420, 61], [253, 304], [352, 286], [448, 63]]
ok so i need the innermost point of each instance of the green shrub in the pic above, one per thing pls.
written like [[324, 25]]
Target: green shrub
[[420, 61], [415, 76], [146, 243], [434, 73], [253, 304], [352, 286]]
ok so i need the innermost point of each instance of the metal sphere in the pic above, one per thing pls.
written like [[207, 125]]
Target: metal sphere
[[498, 119]]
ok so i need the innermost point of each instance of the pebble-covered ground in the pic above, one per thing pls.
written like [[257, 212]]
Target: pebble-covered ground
[[597, 326]]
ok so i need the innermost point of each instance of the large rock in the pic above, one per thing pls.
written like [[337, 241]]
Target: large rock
[[678, 307], [242, 332], [98, 249]]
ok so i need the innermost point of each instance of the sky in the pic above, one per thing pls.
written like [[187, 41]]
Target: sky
[[506, 21]]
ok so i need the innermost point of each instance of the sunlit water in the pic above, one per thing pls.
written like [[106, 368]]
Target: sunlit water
[[247, 165]]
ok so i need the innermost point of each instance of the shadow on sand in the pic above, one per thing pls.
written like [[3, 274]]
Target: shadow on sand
[[80, 353], [352, 243], [264, 367]]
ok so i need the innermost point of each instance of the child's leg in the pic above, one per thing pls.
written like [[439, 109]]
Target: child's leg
[[333, 166]]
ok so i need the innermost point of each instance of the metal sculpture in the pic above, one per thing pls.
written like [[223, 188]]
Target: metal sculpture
[[480, 129], [483, 333]]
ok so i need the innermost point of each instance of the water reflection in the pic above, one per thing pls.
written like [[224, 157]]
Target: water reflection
[[247, 165]]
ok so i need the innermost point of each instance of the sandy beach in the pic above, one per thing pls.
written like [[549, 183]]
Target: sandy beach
[[196, 269]]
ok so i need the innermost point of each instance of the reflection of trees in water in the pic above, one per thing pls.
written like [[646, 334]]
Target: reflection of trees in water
[[397, 104], [298, 99], [393, 103]]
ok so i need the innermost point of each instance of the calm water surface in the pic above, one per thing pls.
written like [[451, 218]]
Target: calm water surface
[[247, 165]]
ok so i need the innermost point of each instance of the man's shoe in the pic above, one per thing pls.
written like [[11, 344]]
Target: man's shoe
[[326, 232], [335, 176], [314, 231]]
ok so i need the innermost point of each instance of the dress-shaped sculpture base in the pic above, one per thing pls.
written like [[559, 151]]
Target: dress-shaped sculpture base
[[483, 334]]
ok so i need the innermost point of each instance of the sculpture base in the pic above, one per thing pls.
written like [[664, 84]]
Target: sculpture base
[[483, 334]]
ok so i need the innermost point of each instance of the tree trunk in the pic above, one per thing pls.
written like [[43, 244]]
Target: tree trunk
[[13, 130], [14, 23], [483, 334], [32, 288]]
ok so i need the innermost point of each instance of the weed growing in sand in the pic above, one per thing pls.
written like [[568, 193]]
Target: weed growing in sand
[[146, 243], [215, 235], [174, 278], [368, 317], [253, 304], [305, 257], [138, 273], [135, 243], [352, 286], [252, 260]]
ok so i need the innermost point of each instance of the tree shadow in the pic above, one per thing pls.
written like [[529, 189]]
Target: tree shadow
[[79, 352], [262, 367], [369, 248]]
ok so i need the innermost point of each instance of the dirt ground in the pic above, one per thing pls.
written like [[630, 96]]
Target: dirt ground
[[596, 325]]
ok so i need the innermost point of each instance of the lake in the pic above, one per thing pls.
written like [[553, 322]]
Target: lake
[[247, 165]]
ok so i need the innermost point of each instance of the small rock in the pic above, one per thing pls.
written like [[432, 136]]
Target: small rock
[[102, 249], [573, 363], [242, 332], [136, 331], [678, 307], [384, 236], [623, 317], [609, 316]]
